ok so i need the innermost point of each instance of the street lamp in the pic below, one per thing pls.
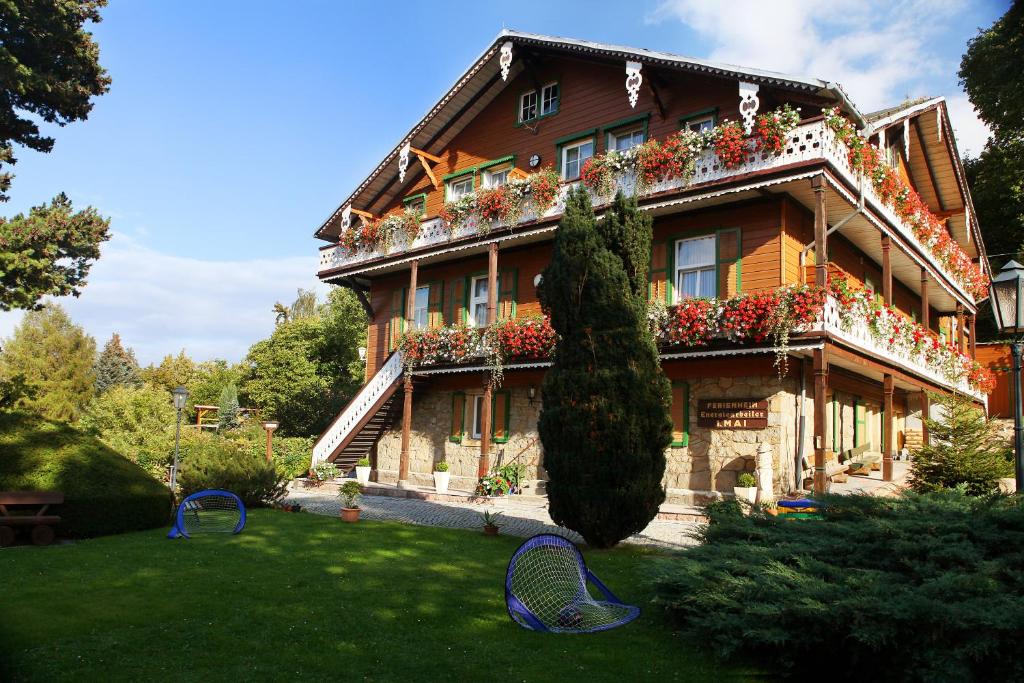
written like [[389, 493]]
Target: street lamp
[[180, 396], [270, 427], [1007, 291]]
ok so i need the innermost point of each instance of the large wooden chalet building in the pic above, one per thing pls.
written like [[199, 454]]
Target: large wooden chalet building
[[425, 246]]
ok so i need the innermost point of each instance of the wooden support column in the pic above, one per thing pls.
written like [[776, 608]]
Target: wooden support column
[[886, 270], [974, 337], [492, 316], [925, 306], [926, 411], [820, 232], [887, 427], [961, 340], [820, 419], [410, 317]]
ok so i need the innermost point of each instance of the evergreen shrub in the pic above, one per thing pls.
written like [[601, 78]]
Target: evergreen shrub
[[220, 464]]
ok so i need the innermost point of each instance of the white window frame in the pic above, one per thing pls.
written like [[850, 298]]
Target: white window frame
[[548, 104], [565, 153], [712, 265], [450, 194], [476, 423], [475, 301], [490, 173], [418, 201], [707, 120], [535, 106], [613, 138], [421, 314]]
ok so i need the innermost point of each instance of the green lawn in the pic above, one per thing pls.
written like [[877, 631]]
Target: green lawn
[[305, 597]]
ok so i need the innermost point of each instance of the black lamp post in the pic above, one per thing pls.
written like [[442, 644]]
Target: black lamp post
[[180, 396], [1007, 292]]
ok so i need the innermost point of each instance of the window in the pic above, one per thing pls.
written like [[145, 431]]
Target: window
[[549, 99], [530, 108], [478, 302], [700, 124], [460, 187], [497, 176], [417, 203], [421, 309], [573, 158], [626, 139], [478, 414], [696, 272]]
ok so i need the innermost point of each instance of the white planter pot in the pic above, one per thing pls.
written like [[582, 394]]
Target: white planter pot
[[363, 474], [441, 480], [747, 493]]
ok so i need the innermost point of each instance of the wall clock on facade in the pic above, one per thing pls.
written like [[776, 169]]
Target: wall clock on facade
[[534, 161]]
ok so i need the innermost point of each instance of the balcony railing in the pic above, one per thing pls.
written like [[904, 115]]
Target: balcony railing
[[807, 142]]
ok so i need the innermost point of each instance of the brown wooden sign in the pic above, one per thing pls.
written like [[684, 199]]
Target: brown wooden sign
[[732, 413]]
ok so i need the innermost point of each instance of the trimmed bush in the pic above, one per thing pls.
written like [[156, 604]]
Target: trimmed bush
[[292, 454], [921, 587], [215, 463], [104, 492]]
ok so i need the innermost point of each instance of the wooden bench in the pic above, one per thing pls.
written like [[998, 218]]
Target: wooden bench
[[40, 522]]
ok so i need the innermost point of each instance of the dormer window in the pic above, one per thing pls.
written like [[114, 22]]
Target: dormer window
[[533, 105]]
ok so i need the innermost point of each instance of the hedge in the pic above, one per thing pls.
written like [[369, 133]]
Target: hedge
[[104, 492]]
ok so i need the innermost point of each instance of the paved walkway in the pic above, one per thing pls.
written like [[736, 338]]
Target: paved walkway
[[515, 520]]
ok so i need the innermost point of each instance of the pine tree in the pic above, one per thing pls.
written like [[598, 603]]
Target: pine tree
[[605, 423], [227, 410], [54, 359], [963, 449], [116, 365]]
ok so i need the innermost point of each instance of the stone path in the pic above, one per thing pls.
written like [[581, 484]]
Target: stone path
[[515, 520]]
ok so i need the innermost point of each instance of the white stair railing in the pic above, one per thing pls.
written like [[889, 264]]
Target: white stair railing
[[361, 404]]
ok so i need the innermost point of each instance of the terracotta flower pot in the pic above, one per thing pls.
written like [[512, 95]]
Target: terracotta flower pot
[[350, 514], [490, 530]]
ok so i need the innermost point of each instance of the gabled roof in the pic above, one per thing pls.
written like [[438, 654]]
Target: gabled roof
[[481, 83]]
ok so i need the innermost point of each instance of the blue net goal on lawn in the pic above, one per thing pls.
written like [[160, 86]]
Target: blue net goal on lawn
[[546, 590], [210, 511]]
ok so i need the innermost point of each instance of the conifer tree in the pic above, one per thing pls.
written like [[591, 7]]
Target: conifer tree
[[227, 410], [605, 423], [962, 450], [115, 366]]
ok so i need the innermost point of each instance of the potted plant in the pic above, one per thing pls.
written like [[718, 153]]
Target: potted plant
[[746, 488], [441, 477], [490, 520], [349, 494], [321, 472], [363, 471]]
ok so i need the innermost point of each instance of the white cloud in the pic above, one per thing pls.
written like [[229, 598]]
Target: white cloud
[[971, 132], [877, 50], [160, 304]]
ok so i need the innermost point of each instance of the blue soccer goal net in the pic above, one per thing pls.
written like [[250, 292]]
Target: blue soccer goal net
[[211, 511]]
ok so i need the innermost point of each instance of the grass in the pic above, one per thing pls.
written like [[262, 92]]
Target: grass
[[305, 597]]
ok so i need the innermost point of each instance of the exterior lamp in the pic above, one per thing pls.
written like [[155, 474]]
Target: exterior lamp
[[180, 397], [362, 353], [1007, 293], [270, 427]]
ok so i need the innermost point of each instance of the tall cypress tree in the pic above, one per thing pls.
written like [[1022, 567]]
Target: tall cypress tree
[[605, 420], [116, 365]]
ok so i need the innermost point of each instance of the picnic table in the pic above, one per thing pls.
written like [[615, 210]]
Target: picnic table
[[31, 508]]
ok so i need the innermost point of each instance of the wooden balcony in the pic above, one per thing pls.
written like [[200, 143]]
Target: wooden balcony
[[812, 147]]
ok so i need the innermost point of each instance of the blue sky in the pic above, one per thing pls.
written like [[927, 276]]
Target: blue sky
[[232, 129]]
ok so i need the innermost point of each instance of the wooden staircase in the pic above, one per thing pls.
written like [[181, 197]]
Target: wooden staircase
[[362, 441]]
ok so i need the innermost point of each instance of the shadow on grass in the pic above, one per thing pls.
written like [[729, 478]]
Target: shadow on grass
[[308, 597]]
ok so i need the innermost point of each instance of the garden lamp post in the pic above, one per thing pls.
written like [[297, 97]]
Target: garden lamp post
[[180, 396], [362, 353], [1007, 292], [270, 427]]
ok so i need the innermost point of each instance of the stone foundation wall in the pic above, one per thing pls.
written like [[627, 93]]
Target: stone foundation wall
[[429, 443]]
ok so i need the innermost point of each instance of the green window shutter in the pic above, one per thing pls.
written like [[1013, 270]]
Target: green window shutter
[[730, 250], [501, 405], [508, 284], [680, 414], [454, 304], [457, 428], [859, 422], [435, 304], [396, 324]]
